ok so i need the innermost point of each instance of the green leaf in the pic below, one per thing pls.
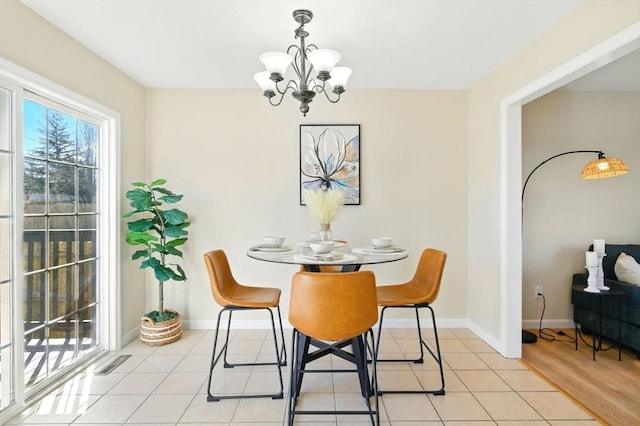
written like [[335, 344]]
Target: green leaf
[[174, 216], [171, 199], [135, 238], [172, 251], [163, 273], [177, 242], [140, 225], [140, 200], [138, 184], [164, 191], [181, 273], [152, 262], [158, 182], [174, 231], [140, 254]]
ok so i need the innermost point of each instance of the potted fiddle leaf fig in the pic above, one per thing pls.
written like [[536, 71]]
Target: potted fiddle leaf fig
[[158, 232]]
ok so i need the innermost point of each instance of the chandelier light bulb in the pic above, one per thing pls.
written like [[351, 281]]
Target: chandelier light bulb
[[265, 83], [603, 165], [340, 76], [323, 60], [276, 62]]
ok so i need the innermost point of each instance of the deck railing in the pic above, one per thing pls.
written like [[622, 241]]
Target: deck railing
[[65, 271]]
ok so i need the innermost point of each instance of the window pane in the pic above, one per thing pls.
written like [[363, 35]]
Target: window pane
[[86, 190], [35, 362], [62, 188], [35, 299], [5, 183], [61, 140], [87, 243], [35, 129], [34, 244], [62, 292], [87, 290], [87, 321], [5, 129], [6, 380], [6, 314], [87, 141], [5, 248], [62, 240], [34, 186], [62, 343]]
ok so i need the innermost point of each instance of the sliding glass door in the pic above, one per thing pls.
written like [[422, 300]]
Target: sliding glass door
[[60, 210]]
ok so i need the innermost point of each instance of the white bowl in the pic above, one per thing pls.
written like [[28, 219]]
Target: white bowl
[[273, 241], [321, 247], [381, 242]]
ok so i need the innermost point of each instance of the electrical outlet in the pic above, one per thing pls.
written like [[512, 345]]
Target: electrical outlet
[[538, 291]]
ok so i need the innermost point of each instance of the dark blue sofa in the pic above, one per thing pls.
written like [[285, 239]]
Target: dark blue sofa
[[585, 312]]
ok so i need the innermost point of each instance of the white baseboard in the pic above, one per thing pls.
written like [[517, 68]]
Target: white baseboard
[[130, 336], [264, 324]]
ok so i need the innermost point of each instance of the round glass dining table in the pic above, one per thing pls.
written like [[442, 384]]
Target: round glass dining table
[[348, 259]]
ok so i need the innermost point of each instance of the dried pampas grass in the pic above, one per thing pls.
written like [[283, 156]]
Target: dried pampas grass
[[324, 205]]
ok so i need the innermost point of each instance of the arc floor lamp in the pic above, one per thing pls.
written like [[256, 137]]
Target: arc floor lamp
[[600, 168]]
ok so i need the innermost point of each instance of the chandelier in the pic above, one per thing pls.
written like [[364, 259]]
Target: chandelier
[[304, 59]]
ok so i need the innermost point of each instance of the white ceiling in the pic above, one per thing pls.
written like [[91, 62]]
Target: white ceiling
[[402, 44]]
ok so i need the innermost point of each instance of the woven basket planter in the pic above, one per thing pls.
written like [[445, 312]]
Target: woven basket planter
[[161, 333]]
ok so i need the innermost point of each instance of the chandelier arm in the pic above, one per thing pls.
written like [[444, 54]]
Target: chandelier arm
[[524, 187], [296, 59], [290, 85], [282, 93], [326, 93]]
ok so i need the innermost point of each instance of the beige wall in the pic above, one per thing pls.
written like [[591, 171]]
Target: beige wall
[[237, 161], [562, 212], [431, 165], [489, 242], [32, 43]]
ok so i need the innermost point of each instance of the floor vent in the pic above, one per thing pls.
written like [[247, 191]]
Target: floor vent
[[113, 365]]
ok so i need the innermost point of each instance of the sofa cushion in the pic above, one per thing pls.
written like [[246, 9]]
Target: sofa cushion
[[627, 269], [613, 251]]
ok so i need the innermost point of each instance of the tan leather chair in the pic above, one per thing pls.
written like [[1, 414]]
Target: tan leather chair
[[330, 311], [232, 296], [418, 293]]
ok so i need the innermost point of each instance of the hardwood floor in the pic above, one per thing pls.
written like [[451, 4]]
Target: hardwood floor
[[609, 388]]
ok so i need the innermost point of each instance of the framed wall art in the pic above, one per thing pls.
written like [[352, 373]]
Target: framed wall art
[[330, 159]]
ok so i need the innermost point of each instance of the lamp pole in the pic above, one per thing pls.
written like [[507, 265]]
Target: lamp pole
[[527, 336]]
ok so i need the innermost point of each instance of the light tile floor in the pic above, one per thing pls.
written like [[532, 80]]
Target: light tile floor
[[166, 385]]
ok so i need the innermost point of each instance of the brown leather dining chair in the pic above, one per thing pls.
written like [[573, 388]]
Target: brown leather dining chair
[[331, 310], [233, 297], [420, 292]]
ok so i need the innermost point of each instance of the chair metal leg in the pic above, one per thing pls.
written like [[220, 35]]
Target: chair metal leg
[[300, 345], [436, 356], [280, 352]]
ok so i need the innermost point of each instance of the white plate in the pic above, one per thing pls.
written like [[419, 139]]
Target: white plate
[[375, 250], [270, 248], [336, 244]]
